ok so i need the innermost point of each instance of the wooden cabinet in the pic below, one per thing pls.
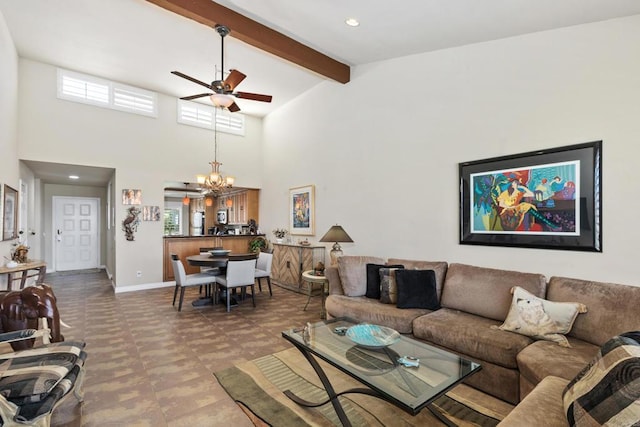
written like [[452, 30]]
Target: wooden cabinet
[[290, 261], [185, 246], [242, 205]]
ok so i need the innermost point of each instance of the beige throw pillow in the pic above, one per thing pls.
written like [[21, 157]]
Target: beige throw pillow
[[541, 319]]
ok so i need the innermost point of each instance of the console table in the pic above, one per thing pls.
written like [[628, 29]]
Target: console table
[[33, 268], [291, 260]]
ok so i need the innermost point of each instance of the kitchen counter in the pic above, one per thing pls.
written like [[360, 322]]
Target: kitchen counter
[[183, 246]]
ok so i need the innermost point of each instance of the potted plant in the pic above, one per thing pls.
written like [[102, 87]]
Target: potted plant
[[258, 244], [280, 233]]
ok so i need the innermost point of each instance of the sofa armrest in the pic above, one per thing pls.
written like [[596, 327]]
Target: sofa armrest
[[335, 284], [542, 407]]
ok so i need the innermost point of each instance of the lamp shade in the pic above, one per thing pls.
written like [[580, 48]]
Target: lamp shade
[[221, 100], [336, 234]]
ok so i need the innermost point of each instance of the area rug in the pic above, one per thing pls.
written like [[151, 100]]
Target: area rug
[[257, 386]]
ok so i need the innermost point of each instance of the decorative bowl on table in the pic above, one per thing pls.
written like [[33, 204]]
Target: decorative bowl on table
[[372, 336], [219, 252]]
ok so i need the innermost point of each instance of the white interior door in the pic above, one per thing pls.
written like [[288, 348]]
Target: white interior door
[[76, 237]]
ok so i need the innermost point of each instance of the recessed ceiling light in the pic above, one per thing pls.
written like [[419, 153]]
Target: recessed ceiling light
[[74, 177], [352, 22]]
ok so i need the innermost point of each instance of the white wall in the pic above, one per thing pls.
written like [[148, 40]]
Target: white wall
[[383, 150], [145, 153], [8, 118]]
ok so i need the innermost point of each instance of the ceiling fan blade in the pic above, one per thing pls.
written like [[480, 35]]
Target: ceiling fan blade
[[234, 108], [234, 79], [253, 96], [189, 98], [184, 76]]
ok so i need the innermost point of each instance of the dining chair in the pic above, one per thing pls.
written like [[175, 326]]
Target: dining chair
[[184, 280], [263, 269], [239, 274]]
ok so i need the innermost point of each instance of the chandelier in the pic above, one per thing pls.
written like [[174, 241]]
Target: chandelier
[[215, 183]]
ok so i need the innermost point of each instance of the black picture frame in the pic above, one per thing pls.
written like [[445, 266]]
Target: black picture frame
[[546, 199]]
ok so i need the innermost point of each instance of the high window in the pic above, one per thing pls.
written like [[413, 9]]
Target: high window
[[200, 115], [86, 89]]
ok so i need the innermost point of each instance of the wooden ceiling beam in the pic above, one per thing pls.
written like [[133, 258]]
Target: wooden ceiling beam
[[258, 35]]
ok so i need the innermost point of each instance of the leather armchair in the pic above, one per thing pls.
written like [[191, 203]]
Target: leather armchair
[[20, 310]]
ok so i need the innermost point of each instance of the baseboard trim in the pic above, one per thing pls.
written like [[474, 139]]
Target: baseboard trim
[[142, 287]]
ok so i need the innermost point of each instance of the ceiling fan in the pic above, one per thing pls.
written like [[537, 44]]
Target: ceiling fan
[[223, 89]]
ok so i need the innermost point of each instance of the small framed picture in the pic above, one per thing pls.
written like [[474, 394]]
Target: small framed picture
[[151, 213], [10, 210], [131, 197], [302, 210]]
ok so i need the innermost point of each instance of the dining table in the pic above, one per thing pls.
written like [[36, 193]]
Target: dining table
[[219, 261]]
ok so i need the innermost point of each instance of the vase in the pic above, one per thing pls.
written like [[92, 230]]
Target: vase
[[279, 240]]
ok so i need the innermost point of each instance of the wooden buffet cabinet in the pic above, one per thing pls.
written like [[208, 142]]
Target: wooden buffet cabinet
[[185, 246], [290, 261]]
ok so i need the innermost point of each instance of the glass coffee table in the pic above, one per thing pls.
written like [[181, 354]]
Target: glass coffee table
[[385, 369]]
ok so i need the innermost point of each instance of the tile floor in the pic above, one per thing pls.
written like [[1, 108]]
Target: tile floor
[[149, 365]]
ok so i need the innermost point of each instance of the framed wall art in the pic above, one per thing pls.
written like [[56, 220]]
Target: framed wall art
[[131, 197], [549, 199], [302, 208], [151, 213], [10, 213], [1, 207]]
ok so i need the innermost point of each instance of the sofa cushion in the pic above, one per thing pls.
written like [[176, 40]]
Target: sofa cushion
[[544, 358], [607, 390], [353, 273], [368, 310], [486, 291], [373, 279], [471, 335], [609, 306], [29, 375], [388, 286], [542, 407], [541, 319], [417, 289], [439, 267]]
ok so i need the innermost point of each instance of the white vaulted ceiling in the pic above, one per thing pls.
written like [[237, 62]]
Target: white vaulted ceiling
[[138, 43]]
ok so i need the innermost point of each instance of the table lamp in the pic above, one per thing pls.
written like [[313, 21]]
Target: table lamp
[[336, 234]]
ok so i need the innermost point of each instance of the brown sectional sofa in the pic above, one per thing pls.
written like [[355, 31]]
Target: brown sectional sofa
[[473, 299]]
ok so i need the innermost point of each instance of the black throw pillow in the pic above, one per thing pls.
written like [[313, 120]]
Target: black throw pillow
[[417, 289], [373, 279]]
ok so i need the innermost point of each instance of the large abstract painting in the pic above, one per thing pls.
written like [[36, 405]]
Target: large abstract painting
[[542, 199]]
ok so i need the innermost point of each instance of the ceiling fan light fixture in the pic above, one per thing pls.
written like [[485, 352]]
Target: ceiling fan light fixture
[[220, 100]]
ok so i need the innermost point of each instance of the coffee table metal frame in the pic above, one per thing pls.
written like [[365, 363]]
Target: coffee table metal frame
[[392, 382]]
